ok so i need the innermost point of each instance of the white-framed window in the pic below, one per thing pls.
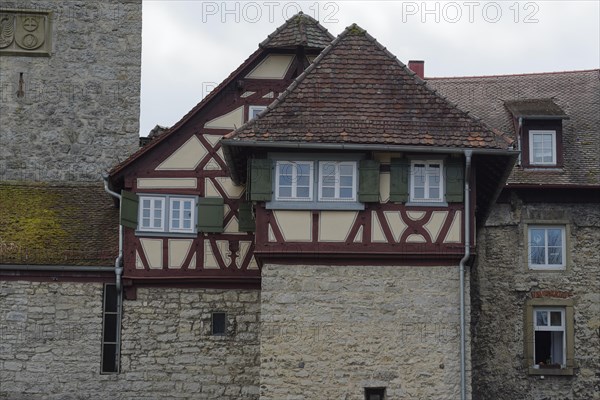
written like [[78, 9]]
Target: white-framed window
[[182, 214], [542, 147], [426, 181], [294, 180], [547, 247], [152, 214], [337, 180], [253, 111], [165, 213], [549, 340]]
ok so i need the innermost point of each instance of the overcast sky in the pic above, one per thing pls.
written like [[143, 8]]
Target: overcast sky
[[191, 46]]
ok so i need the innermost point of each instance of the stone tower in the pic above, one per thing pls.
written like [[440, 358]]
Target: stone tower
[[69, 88]]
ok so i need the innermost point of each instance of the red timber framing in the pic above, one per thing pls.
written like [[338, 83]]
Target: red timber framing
[[219, 260], [391, 244]]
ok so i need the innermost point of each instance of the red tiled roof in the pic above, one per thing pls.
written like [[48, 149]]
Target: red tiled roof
[[358, 92], [576, 93], [49, 224]]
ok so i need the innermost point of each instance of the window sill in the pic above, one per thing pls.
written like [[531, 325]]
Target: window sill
[[427, 204], [166, 234], [312, 205], [547, 269], [550, 371]]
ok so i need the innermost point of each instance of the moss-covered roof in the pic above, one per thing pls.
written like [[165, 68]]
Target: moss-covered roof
[[57, 225]]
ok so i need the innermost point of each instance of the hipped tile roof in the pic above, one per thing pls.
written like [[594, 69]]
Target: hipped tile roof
[[57, 225], [358, 92], [299, 30], [576, 93]]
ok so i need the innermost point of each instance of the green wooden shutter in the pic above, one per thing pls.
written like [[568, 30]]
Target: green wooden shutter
[[455, 181], [246, 221], [261, 188], [399, 180], [368, 182], [211, 212], [129, 209]]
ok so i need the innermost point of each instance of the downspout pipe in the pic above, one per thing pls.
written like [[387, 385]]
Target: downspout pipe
[[118, 275], [119, 260], [463, 261]]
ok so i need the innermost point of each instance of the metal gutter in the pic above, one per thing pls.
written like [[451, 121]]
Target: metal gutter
[[363, 147], [463, 379]]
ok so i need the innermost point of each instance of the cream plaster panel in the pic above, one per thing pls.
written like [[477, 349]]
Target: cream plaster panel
[[167, 183], [220, 153], [178, 251], [359, 235], [213, 139], [209, 189], [295, 226], [269, 95], [192, 262], [274, 66], [253, 264], [138, 261], [377, 235], [212, 165], [415, 215], [435, 223], [395, 223], [311, 58], [247, 94], [231, 120], [210, 262], [384, 187], [271, 234], [243, 251], [153, 252], [454, 233], [232, 191], [334, 226], [187, 157], [415, 238], [232, 226], [223, 246]]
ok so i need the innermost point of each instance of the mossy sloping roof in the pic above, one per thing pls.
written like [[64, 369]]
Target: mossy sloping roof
[[42, 224]]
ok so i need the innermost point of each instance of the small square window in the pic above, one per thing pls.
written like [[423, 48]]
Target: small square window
[[337, 181], [542, 147], [546, 247], [219, 324], [375, 393], [167, 214], [253, 111], [426, 183], [294, 180]]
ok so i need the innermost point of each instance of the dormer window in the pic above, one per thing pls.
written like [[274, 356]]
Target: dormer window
[[539, 127], [542, 147]]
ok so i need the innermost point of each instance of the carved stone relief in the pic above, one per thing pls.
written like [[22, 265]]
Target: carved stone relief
[[25, 33]]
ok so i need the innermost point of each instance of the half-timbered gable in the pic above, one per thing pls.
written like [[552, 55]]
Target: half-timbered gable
[[360, 159], [180, 210]]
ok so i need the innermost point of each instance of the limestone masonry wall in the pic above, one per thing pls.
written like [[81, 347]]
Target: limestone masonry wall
[[328, 332], [71, 115], [50, 343], [503, 283]]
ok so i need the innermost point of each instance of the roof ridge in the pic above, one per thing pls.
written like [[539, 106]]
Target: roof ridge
[[302, 18], [509, 75]]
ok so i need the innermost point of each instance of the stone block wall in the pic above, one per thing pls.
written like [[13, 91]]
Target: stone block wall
[[503, 283], [50, 344], [328, 332], [71, 115]]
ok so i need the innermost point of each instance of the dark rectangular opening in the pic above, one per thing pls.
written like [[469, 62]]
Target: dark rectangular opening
[[218, 323], [375, 393], [110, 327]]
